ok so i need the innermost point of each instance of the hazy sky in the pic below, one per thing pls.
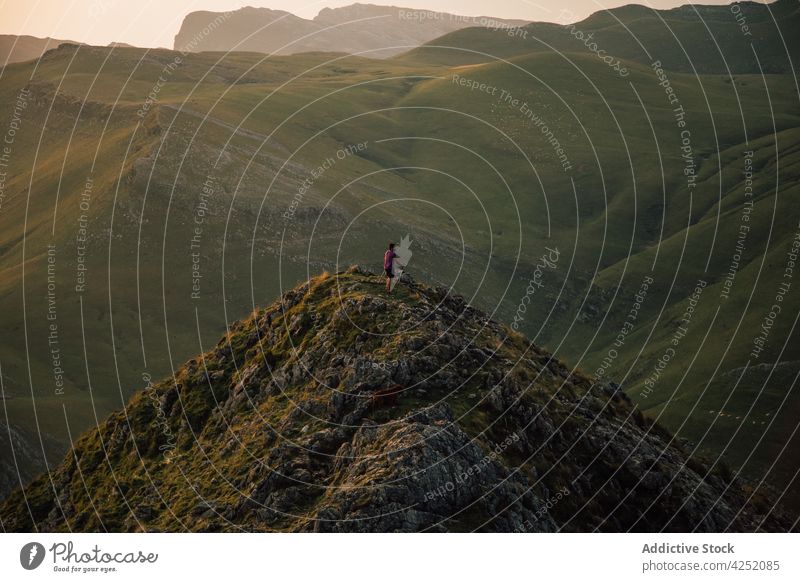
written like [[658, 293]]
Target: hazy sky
[[150, 23]]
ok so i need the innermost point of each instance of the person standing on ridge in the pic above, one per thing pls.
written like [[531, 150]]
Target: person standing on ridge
[[388, 263]]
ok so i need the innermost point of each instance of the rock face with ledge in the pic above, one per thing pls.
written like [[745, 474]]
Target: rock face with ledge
[[277, 428]]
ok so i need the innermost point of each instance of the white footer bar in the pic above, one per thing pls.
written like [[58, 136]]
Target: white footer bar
[[398, 557]]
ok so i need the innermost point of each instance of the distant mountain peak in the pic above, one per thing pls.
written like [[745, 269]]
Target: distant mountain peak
[[379, 31], [19, 48]]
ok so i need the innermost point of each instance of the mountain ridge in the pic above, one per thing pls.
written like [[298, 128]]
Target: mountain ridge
[[377, 31], [695, 38], [286, 426], [17, 48]]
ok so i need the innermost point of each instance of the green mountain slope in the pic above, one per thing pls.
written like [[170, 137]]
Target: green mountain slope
[[750, 38], [302, 163]]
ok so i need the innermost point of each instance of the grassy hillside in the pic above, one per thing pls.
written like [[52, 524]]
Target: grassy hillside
[[750, 38], [298, 164]]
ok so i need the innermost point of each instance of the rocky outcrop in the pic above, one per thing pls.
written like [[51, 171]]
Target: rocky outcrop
[[276, 429]]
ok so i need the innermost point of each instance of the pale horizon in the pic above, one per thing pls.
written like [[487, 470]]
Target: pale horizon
[[150, 24]]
